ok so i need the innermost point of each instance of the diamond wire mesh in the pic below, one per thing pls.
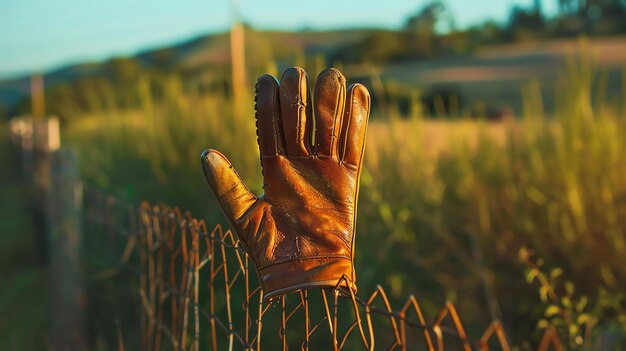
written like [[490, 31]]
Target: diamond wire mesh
[[196, 291]]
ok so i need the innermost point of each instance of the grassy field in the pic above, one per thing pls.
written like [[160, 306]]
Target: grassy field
[[23, 297], [492, 76], [446, 206]]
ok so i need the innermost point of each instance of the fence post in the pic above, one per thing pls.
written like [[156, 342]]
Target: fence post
[[56, 199], [64, 237]]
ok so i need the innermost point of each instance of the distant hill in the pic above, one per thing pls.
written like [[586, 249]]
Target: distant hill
[[195, 54], [490, 75]]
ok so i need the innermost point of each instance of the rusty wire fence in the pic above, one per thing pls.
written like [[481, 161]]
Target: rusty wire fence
[[197, 289], [153, 277]]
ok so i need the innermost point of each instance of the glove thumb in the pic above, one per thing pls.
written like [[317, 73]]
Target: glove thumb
[[232, 194]]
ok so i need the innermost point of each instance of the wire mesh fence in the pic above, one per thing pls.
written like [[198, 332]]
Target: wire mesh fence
[[196, 289]]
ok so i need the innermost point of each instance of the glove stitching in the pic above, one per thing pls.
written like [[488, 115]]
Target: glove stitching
[[345, 132], [358, 179], [338, 107], [303, 258]]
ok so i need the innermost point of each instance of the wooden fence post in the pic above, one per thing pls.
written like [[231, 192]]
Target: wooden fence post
[[64, 236], [51, 173]]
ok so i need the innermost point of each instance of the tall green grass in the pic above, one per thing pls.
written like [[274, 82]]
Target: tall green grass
[[555, 184], [445, 205], [24, 295], [154, 152]]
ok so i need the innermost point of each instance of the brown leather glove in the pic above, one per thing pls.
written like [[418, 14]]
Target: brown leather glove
[[300, 233]]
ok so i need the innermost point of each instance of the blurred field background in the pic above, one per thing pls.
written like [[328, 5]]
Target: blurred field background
[[494, 178]]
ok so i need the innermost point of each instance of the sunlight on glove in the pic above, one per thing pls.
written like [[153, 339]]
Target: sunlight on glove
[[300, 232]]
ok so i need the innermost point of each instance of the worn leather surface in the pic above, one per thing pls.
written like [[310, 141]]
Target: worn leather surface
[[300, 232]]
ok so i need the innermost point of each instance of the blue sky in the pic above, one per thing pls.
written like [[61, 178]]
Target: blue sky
[[38, 35]]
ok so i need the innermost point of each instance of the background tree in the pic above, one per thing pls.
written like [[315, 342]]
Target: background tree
[[526, 23], [421, 28]]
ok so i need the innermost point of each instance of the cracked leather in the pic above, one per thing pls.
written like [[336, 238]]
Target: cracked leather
[[300, 232]]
